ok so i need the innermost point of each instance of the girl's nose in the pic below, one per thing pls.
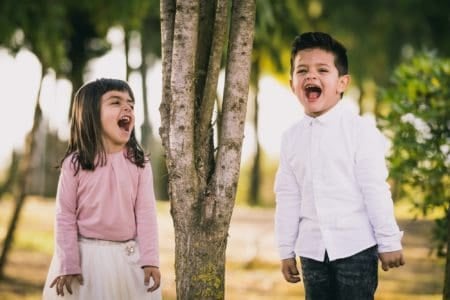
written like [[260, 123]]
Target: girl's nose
[[127, 107]]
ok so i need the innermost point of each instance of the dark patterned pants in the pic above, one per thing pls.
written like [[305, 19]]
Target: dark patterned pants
[[351, 278]]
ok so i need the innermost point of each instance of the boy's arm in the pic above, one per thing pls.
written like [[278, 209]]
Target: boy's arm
[[392, 259], [287, 213], [290, 270], [371, 175]]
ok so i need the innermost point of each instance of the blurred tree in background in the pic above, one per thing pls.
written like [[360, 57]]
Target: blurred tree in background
[[418, 125]]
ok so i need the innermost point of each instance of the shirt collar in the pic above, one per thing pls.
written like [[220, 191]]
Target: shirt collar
[[328, 117]]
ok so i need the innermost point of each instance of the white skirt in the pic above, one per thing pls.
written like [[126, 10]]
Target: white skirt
[[110, 271]]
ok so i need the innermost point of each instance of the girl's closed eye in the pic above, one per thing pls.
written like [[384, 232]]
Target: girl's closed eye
[[114, 101]]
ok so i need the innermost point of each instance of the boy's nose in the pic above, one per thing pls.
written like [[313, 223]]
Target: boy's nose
[[310, 75]]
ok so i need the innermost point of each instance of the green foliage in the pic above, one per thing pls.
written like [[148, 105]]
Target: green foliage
[[64, 35], [38, 25], [418, 124], [272, 42], [126, 13], [379, 33]]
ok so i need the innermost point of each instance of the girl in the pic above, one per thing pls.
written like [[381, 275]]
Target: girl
[[105, 229]]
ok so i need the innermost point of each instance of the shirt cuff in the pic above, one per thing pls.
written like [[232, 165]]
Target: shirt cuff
[[286, 252], [390, 244]]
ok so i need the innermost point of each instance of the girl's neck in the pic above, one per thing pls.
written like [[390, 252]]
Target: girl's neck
[[111, 148], [114, 150]]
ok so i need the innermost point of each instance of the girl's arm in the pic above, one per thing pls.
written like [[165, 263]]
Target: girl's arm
[[152, 272], [65, 281], [146, 220], [66, 233]]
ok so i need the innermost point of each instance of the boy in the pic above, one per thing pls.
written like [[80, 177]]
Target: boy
[[333, 205]]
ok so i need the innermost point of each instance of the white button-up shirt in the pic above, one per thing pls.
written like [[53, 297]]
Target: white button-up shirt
[[331, 189]]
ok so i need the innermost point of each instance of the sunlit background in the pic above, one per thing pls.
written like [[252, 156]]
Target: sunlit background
[[20, 76], [380, 36]]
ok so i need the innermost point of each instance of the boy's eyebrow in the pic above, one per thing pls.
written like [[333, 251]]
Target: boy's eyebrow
[[317, 64]]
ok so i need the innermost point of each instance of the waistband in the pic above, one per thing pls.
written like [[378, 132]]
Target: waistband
[[104, 242]]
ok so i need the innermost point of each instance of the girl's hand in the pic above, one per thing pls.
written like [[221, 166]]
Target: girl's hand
[[153, 272], [65, 280]]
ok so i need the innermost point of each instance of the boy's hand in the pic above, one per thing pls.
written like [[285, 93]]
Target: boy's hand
[[289, 270], [153, 272], [65, 280], [391, 260]]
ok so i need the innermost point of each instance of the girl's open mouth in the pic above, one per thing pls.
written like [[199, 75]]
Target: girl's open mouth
[[125, 123]]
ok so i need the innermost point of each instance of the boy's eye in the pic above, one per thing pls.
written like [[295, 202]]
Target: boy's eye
[[323, 70], [301, 71]]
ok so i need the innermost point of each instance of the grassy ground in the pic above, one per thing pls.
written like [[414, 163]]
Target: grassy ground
[[252, 264]]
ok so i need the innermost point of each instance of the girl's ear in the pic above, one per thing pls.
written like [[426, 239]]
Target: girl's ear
[[343, 83]]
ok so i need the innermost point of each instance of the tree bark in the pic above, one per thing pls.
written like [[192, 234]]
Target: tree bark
[[202, 185]]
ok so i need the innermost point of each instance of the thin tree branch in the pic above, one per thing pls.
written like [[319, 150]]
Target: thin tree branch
[[167, 12], [234, 106], [209, 95]]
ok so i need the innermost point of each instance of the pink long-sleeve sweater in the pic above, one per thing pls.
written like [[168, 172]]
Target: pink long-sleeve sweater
[[114, 202]]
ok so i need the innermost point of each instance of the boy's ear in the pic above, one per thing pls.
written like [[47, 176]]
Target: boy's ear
[[343, 83], [290, 84]]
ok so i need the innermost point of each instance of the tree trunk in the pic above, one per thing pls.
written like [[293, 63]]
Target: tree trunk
[[12, 173], [446, 295], [202, 183], [146, 128], [21, 184], [255, 173], [126, 45]]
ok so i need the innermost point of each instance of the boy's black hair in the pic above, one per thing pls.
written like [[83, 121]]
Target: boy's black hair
[[85, 139], [321, 40]]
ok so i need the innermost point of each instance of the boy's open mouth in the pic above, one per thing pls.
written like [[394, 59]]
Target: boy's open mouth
[[125, 123], [312, 91]]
